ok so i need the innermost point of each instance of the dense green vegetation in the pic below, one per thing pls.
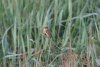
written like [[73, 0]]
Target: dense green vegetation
[[74, 25]]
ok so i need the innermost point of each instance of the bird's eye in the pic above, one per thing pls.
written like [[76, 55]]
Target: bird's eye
[[45, 34]]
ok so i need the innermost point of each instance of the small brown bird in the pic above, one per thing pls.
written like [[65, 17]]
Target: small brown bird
[[47, 32]]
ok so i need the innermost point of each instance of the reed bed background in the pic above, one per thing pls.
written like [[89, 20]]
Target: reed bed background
[[74, 25]]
